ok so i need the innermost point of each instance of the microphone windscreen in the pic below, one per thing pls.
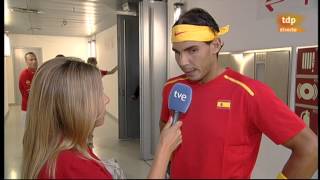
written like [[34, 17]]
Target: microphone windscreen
[[180, 97]]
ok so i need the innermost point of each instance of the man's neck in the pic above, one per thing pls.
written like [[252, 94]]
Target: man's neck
[[215, 72]]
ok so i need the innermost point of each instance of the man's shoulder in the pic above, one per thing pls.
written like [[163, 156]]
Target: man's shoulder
[[103, 72], [244, 82], [181, 78], [24, 72], [170, 82]]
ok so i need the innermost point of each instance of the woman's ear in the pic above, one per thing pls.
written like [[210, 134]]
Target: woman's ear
[[216, 45]]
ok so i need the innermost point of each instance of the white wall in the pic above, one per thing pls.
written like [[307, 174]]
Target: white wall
[[253, 27], [6, 106], [107, 57], [51, 46], [9, 80]]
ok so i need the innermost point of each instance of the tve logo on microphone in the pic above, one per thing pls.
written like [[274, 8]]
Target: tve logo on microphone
[[180, 97]]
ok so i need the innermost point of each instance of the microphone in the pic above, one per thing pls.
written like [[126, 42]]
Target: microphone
[[179, 99]]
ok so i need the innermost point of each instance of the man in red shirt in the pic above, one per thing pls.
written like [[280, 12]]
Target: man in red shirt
[[93, 61], [229, 112], [25, 80]]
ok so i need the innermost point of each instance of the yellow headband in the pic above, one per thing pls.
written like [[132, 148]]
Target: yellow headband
[[187, 32]]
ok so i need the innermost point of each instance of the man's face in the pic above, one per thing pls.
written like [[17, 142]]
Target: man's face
[[31, 61], [196, 59]]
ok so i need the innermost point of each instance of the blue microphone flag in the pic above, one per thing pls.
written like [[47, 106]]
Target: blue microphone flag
[[180, 97]]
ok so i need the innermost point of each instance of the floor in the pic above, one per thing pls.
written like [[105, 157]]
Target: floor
[[106, 145]]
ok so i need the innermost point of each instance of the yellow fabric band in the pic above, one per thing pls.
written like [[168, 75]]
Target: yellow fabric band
[[281, 176], [187, 32]]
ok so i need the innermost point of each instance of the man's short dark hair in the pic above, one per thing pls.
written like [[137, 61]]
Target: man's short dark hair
[[60, 55], [25, 56], [198, 16], [92, 60]]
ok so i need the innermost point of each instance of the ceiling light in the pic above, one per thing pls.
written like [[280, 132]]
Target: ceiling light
[[25, 10], [128, 13], [35, 29], [125, 6], [178, 10], [7, 46], [6, 13]]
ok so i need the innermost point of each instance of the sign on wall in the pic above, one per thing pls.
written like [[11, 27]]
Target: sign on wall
[[306, 98], [272, 8]]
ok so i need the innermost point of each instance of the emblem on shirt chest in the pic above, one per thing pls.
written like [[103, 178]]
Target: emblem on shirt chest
[[28, 82], [223, 104]]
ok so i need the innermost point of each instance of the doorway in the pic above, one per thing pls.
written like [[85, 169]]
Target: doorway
[[142, 54], [128, 61]]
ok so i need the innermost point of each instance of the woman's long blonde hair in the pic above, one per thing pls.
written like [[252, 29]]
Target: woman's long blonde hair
[[64, 102]]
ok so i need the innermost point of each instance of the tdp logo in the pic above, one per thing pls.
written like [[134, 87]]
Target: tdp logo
[[288, 20], [289, 23]]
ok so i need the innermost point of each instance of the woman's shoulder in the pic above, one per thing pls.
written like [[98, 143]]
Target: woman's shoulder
[[72, 164]]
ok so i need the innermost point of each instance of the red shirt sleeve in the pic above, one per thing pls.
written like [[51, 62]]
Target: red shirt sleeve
[[103, 73], [272, 116], [165, 113]]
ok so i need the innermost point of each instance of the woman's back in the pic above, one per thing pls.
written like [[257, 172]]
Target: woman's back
[[66, 102]]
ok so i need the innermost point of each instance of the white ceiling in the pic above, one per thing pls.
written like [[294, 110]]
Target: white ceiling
[[63, 17]]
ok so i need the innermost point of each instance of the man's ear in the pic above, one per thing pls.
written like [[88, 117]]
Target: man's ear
[[216, 45]]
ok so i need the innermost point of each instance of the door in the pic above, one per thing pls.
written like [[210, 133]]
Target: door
[[20, 64], [153, 71], [240, 62], [272, 68], [128, 60], [277, 73]]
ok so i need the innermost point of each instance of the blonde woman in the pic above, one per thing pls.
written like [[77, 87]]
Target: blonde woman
[[66, 103]]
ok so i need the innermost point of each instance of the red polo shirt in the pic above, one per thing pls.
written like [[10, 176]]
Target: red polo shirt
[[25, 80], [223, 127], [72, 164]]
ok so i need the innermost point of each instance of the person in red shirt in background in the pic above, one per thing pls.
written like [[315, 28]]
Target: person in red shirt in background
[[66, 104], [93, 61], [229, 112], [25, 80]]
